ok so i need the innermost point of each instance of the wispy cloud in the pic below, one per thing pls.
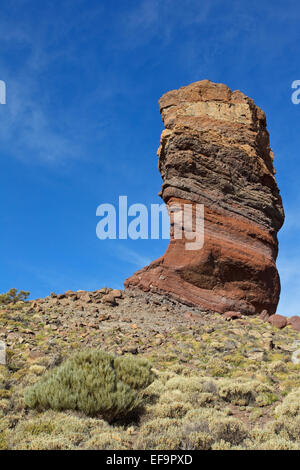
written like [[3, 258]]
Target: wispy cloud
[[124, 253], [31, 127]]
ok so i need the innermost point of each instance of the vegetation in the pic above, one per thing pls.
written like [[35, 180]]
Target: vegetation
[[93, 382], [211, 388], [13, 296]]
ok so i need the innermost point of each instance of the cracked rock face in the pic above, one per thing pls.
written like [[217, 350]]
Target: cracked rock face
[[215, 151]]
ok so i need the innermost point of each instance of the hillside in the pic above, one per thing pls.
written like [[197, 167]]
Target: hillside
[[218, 384]]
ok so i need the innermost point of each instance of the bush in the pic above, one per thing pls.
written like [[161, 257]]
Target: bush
[[228, 429], [135, 372], [159, 434], [55, 431], [13, 296], [93, 382], [176, 409], [244, 393], [290, 407], [216, 424], [191, 384]]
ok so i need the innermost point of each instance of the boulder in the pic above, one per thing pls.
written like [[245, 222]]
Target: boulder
[[278, 320], [294, 322]]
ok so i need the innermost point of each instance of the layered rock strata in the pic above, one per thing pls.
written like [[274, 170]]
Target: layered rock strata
[[215, 151]]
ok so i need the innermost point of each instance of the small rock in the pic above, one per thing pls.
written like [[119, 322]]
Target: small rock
[[103, 317], [267, 344], [296, 357], [278, 321], [294, 322], [130, 349], [257, 355], [103, 290], [264, 316], [192, 316], [109, 299], [232, 315], [86, 298], [209, 329], [94, 310], [116, 293]]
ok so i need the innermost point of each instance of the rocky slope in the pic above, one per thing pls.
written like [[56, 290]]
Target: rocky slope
[[215, 151], [220, 382]]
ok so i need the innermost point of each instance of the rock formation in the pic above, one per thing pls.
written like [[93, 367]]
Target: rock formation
[[215, 151]]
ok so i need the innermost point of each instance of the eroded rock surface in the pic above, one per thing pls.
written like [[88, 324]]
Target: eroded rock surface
[[215, 151]]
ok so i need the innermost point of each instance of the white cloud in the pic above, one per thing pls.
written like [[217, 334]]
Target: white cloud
[[130, 256]]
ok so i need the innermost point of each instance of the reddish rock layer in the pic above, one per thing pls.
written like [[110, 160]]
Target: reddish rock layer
[[215, 151]]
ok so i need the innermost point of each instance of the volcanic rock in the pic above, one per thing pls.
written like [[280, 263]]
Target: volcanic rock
[[278, 320], [109, 299], [215, 151], [264, 316], [294, 322], [232, 315]]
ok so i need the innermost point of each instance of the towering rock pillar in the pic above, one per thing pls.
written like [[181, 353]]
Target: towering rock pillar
[[215, 151]]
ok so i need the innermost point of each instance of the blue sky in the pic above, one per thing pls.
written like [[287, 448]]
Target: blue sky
[[81, 125]]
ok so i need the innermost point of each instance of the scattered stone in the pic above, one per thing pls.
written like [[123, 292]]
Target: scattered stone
[[130, 349], [192, 316], [294, 322], [103, 290], [86, 298], [256, 355], [264, 316], [208, 329], [278, 321], [116, 293], [109, 299], [103, 317], [232, 315]]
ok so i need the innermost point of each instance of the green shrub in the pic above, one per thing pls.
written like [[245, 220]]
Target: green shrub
[[277, 443], [133, 371], [244, 393], [216, 424], [176, 409], [290, 407], [228, 429], [159, 434], [13, 296], [93, 382], [191, 384]]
